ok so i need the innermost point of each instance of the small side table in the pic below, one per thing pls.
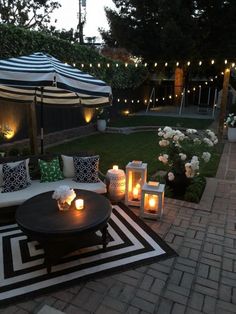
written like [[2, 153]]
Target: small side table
[[115, 179], [152, 201]]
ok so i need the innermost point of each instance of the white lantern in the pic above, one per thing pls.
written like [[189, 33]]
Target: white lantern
[[136, 176], [152, 204]]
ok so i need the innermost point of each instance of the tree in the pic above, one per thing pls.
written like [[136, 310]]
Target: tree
[[216, 24], [31, 14], [151, 28], [173, 29]]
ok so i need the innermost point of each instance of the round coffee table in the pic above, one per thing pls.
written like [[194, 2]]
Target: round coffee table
[[62, 232]]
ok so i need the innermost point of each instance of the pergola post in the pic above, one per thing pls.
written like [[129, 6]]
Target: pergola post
[[223, 102], [179, 85]]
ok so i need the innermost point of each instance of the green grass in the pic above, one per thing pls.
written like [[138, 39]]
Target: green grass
[[161, 121], [120, 149]]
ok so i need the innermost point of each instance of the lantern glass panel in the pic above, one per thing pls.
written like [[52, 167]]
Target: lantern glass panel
[[151, 203]]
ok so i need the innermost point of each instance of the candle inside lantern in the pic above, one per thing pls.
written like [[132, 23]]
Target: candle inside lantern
[[115, 167], [79, 203], [136, 191], [152, 203]]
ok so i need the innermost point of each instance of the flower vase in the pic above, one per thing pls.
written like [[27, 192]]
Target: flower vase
[[63, 205], [231, 134]]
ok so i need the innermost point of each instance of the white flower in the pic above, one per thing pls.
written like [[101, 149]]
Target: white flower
[[171, 176], [164, 143], [182, 156], [191, 131], [208, 141], [206, 156], [64, 194], [163, 158]]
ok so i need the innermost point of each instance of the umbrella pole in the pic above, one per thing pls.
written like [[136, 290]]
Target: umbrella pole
[[41, 122]]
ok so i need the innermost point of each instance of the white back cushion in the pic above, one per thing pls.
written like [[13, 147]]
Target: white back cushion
[[68, 166]]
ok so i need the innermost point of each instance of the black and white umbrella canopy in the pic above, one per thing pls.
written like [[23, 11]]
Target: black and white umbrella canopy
[[50, 81]]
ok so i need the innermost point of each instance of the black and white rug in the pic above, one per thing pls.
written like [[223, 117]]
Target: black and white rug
[[22, 271]]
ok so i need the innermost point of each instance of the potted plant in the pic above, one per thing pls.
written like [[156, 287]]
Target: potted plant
[[231, 124], [102, 119]]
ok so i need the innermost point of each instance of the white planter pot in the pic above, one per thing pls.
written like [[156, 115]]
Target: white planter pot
[[232, 134], [101, 125]]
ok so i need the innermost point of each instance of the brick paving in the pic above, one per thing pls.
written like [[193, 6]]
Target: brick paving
[[202, 279]]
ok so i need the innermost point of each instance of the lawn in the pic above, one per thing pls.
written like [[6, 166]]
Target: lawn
[[121, 148], [161, 121]]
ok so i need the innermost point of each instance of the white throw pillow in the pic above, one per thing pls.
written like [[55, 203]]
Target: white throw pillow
[[68, 166], [16, 163]]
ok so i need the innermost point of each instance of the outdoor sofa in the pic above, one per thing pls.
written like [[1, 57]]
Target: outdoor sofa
[[9, 201]]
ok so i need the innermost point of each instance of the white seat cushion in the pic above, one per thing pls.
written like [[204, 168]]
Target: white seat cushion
[[36, 187]]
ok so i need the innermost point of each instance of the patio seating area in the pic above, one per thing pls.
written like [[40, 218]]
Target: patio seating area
[[200, 280]]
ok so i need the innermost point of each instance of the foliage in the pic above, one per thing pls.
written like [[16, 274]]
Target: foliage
[[16, 41], [4, 131], [30, 14], [103, 114], [183, 153], [231, 120], [173, 29], [195, 189]]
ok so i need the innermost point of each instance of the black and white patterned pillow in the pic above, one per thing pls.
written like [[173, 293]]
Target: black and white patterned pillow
[[14, 178], [86, 169]]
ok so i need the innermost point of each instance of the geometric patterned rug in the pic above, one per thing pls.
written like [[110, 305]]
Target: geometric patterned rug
[[22, 272]]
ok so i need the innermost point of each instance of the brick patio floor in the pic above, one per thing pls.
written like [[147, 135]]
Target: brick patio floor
[[202, 279]]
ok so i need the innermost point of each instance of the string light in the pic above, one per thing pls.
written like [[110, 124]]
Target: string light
[[126, 64], [166, 64], [73, 64], [177, 64], [90, 65], [136, 65], [226, 61], [99, 65], [212, 61], [233, 65], [188, 63], [155, 64], [117, 65], [82, 65], [108, 65], [145, 64], [200, 63]]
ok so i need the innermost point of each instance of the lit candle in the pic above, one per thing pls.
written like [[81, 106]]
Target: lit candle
[[135, 192], [152, 203], [79, 203], [115, 167]]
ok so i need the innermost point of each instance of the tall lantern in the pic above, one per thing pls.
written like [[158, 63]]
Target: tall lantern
[[152, 205], [136, 176]]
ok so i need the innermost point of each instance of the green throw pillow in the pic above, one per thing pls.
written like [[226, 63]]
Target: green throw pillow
[[50, 171]]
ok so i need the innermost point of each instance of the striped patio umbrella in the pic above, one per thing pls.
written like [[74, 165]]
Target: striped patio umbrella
[[42, 78]]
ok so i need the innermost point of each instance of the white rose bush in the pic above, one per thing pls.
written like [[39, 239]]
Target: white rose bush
[[183, 153]]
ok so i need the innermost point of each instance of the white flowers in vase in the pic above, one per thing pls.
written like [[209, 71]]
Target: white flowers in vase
[[64, 195]]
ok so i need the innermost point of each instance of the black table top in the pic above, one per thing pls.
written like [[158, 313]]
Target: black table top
[[40, 215]]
